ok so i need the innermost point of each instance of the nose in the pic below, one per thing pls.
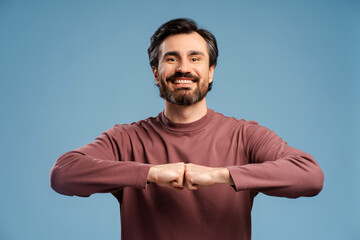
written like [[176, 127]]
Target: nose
[[183, 67]]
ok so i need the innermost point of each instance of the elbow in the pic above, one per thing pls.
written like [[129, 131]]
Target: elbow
[[314, 182], [58, 181], [64, 176], [61, 175], [319, 182], [308, 184], [54, 178]]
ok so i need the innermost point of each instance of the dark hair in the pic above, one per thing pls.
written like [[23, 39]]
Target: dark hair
[[178, 26]]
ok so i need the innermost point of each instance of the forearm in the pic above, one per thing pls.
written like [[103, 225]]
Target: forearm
[[222, 176], [290, 176], [82, 175], [273, 167]]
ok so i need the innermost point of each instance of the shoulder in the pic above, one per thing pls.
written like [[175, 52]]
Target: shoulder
[[246, 128], [141, 125], [240, 122], [125, 133]]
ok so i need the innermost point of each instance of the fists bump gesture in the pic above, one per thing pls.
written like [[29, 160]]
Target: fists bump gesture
[[191, 176]]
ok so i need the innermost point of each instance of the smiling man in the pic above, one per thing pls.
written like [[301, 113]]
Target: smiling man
[[183, 73], [217, 164]]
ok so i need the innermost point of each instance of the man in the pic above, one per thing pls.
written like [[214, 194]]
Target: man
[[151, 165]]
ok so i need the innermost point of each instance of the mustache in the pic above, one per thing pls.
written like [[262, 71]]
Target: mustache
[[184, 75]]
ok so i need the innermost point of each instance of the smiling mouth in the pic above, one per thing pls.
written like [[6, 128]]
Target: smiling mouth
[[183, 81]]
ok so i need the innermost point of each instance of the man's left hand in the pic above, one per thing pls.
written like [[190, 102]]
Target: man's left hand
[[198, 176]]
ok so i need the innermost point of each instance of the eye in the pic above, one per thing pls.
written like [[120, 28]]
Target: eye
[[171, 59], [195, 59]]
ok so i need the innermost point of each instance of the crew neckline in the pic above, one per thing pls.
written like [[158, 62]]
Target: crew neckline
[[186, 127]]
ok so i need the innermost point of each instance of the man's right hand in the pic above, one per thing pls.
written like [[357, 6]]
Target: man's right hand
[[168, 175]]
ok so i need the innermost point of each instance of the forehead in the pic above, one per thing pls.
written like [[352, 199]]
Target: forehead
[[184, 42]]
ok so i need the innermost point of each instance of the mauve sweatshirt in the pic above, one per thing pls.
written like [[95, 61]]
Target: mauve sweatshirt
[[118, 162]]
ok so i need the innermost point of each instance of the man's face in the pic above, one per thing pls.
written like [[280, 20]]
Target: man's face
[[183, 74]]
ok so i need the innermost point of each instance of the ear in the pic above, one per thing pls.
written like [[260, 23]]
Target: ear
[[156, 75], [211, 73]]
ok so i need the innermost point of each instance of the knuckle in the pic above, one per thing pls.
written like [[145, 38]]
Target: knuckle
[[189, 180]]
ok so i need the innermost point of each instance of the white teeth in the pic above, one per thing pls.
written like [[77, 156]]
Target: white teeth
[[183, 81]]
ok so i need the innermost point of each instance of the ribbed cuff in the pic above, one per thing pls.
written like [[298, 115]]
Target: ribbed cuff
[[141, 181]]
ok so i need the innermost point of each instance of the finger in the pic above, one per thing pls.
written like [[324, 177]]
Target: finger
[[175, 184], [179, 181], [192, 187], [187, 179], [164, 184], [189, 185], [178, 188]]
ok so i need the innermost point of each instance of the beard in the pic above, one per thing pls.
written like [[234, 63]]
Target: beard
[[184, 96]]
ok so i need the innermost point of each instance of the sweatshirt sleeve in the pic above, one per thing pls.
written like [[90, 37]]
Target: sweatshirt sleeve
[[275, 168], [97, 167]]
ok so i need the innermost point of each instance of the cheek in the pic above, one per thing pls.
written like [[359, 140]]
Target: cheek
[[205, 73], [164, 72]]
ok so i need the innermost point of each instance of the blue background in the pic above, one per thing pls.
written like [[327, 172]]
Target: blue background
[[70, 70]]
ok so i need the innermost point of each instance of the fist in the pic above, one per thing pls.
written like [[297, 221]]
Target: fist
[[168, 175], [191, 176], [197, 175]]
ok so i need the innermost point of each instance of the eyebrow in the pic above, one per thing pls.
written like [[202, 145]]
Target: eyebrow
[[173, 53], [190, 53]]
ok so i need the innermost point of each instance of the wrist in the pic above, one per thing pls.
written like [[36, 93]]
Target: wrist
[[224, 176], [151, 174]]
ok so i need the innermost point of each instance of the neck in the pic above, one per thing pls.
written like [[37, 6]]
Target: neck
[[185, 114]]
